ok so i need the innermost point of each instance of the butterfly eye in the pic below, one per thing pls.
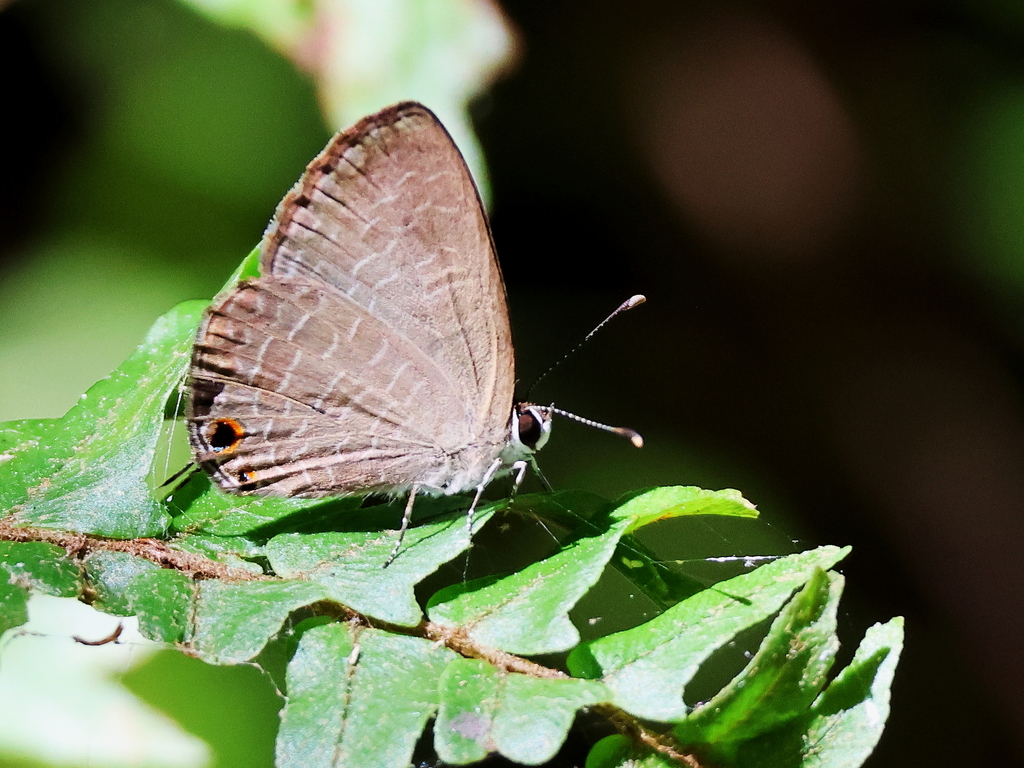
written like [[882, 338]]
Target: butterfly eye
[[529, 429], [224, 435]]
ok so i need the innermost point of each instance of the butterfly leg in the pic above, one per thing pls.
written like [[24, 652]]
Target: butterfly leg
[[536, 469], [403, 527], [520, 469], [184, 474], [484, 482]]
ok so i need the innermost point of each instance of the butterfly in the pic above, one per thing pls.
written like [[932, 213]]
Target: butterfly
[[374, 353]]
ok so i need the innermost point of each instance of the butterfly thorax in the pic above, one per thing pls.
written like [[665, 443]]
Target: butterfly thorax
[[481, 461]]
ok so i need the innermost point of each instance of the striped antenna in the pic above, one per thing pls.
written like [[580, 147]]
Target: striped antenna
[[632, 301], [630, 434]]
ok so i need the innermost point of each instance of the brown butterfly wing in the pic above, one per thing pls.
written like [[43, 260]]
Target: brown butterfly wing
[[375, 352]]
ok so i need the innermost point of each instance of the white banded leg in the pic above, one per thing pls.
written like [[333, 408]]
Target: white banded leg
[[403, 527], [484, 482]]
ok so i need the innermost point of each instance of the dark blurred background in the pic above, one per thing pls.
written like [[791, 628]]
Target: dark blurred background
[[824, 204]]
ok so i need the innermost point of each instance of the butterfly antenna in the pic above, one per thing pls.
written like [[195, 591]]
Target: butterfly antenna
[[630, 434], [632, 301]]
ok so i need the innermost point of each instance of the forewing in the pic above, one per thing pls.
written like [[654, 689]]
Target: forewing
[[375, 352], [388, 216]]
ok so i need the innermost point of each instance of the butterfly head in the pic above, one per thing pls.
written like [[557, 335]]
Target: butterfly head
[[529, 429]]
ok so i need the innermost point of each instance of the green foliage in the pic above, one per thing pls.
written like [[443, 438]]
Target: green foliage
[[377, 653], [524, 718], [436, 53], [88, 471], [528, 612], [373, 690]]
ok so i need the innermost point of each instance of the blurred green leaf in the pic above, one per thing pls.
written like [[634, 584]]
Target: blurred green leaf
[[370, 55], [996, 226], [198, 103], [233, 709], [13, 606], [26, 457]]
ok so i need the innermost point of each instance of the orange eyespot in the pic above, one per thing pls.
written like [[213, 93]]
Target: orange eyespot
[[246, 481], [224, 435]]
